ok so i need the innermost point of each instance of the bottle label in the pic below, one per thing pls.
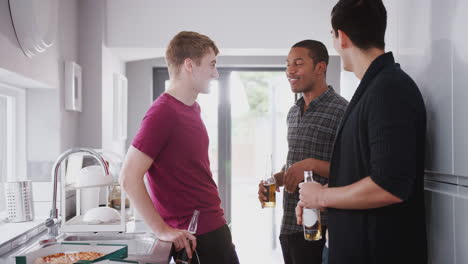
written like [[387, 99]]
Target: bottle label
[[309, 217]]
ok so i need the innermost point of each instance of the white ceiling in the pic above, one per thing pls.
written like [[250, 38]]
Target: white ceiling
[[141, 29]]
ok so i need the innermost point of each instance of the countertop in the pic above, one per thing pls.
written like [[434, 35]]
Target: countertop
[[11, 230]]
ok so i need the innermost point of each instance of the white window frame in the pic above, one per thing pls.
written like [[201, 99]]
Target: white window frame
[[16, 132]]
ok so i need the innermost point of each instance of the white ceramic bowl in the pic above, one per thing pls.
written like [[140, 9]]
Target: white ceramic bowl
[[100, 215]]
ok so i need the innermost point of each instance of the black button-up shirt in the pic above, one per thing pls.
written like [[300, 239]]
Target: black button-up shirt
[[382, 135]]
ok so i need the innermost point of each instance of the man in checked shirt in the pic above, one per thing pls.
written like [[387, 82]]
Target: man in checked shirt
[[312, 124]]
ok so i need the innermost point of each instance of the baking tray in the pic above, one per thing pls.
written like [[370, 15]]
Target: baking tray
[[110, 251]]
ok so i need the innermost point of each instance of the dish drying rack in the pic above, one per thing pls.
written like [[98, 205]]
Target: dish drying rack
[[76, 223]]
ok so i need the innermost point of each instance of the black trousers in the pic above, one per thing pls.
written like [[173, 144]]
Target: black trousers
[[214, 247], [297, 250]]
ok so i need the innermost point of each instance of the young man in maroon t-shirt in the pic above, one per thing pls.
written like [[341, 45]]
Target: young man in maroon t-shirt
[[171, 147]]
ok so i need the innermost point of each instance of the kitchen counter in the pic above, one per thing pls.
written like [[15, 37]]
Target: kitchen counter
[[12, 230], [159, 253]]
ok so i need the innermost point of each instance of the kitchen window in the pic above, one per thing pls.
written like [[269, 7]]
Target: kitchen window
[[12, 138]]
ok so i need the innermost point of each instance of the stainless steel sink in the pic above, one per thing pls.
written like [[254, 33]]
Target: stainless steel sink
[[138, 243]]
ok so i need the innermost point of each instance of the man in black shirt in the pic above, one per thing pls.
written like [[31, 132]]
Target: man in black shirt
[[375, 197]]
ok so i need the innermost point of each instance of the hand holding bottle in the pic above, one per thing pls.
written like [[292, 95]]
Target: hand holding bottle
[[180, 238], [310, 194], [185, 256], [311, 217]]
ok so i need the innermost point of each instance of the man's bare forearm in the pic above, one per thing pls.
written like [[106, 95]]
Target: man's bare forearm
[[319, 167], [136, 190], [364, 194], [132, 180]]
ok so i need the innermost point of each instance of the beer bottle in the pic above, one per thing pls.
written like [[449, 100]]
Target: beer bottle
[[311, 217], [270, 184], [182, 257]]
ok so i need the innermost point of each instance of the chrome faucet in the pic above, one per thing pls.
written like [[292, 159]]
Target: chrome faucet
[[53, 222]]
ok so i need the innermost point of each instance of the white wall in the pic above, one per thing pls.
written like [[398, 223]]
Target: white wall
[[140, 92], [49, 126], [90, 37], [432, 48], [68, 45], [110, 65], [98, 65]]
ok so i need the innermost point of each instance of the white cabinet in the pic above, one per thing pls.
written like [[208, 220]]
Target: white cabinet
[[446, 218]]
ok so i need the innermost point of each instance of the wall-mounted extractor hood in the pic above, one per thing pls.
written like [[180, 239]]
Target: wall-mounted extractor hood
[[35, 24]]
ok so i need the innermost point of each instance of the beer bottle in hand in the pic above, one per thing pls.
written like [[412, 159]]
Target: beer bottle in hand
[[182, 257], [269, 184], [311, 217]]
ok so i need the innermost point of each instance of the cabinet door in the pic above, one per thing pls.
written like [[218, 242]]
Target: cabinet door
[[461, 227], [460, 91], [440, 200]]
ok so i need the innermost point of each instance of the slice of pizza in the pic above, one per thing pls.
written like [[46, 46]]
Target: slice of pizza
[[68, 258], [74, 257], [89, 255], [59, 258]]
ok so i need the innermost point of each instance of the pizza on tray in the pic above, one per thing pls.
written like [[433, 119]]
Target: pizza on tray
[[68, 258]]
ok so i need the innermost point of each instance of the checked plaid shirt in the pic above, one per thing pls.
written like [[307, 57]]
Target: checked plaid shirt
[[311, 135]]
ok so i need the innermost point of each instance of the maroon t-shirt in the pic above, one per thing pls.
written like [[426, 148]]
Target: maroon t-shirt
[[180, 179]]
